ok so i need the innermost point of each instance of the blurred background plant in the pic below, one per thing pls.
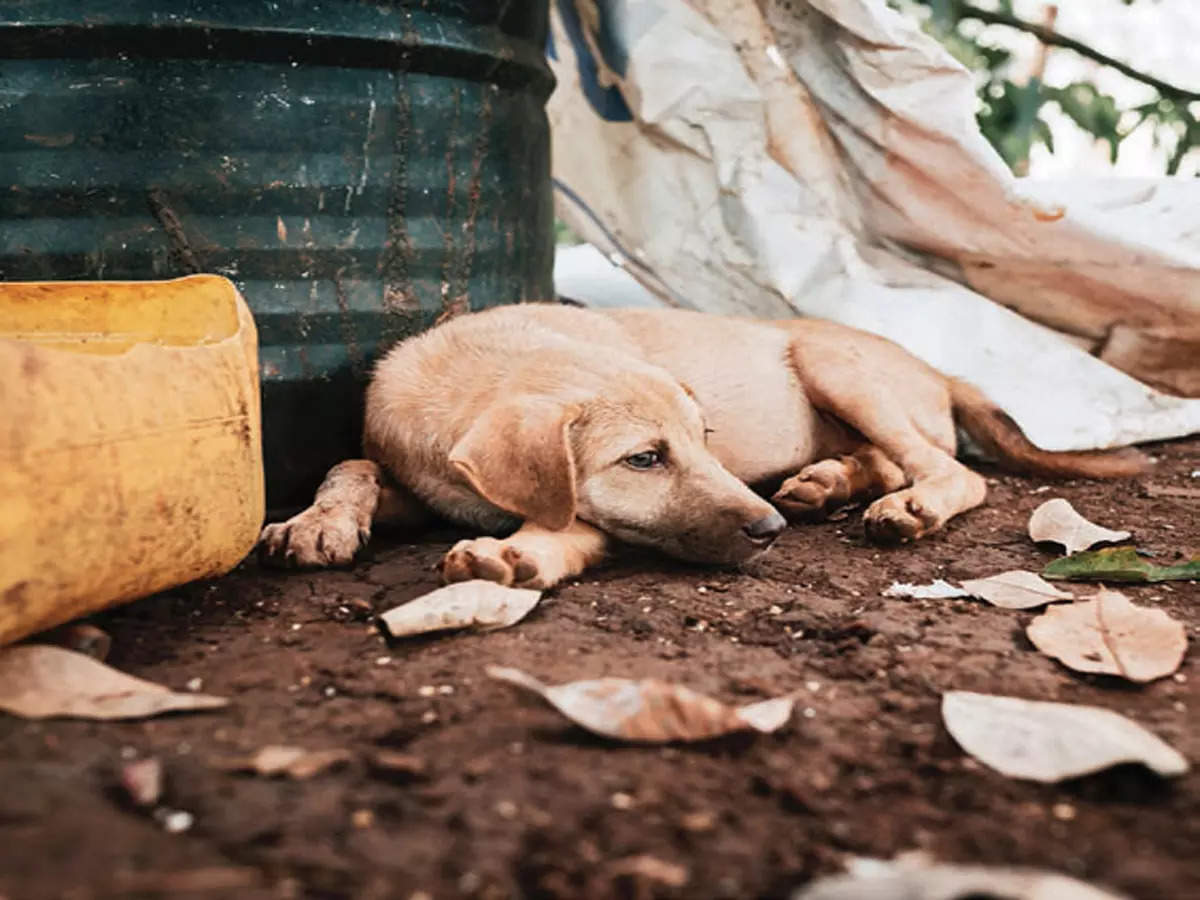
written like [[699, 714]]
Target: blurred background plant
[[1011, 46]]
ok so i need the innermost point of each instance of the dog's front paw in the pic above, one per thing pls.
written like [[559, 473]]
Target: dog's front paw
[[815, 491], [313, 538], [493, 560], [899, 517]]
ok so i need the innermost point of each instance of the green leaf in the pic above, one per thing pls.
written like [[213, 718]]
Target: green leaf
[[1118, 564]]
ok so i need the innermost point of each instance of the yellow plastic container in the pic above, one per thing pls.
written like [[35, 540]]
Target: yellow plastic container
[[130, 442]]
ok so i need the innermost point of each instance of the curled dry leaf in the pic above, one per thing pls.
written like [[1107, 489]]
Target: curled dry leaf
[[1111, 636], [295, 762], [1118, 564], [649, 710], [1058, 522], [1015, 590], [893, 881], [1050, 742], [39, 681], [936, 590], [479, 605]]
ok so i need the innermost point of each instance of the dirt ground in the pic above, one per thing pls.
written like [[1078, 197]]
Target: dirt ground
[[497, 796]]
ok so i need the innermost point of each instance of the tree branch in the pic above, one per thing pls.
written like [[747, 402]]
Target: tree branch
[[1054, 39]]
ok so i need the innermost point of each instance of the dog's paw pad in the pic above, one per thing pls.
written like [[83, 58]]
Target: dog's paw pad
[[312, 538], [482, 558], [524, 569], [898, 518], [814, 492]]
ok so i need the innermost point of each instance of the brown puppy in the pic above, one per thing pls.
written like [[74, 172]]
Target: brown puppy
[[568, 427]]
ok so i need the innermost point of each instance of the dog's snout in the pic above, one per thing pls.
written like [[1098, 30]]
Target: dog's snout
[[765, 529]]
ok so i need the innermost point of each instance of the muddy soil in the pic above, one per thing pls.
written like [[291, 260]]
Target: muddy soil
[[488, 794]]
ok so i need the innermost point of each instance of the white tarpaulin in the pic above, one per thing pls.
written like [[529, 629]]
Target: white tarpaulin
[[821, 157]]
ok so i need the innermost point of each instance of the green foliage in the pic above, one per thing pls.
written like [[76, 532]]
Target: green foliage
[[1118, 564], [1010, 114]]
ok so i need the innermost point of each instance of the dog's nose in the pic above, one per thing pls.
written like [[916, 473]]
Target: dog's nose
[[766, 529]]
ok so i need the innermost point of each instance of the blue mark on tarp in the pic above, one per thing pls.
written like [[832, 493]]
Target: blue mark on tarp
[[606, 101]]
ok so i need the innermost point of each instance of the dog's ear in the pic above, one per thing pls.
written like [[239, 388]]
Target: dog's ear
[[518, 456]]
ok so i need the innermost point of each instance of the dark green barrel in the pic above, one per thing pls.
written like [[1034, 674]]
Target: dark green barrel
[[359, 169]]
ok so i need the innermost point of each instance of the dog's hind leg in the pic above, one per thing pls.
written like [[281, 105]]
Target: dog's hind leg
[[531, 557], [822, 487], [354, 495], [900, 406]]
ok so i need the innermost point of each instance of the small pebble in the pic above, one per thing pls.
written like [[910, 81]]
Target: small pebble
[[506, 809], [429, 717], [699, 821], [296, 626], [621, 800], [809, 713], [195, 684], [330, 691], [1064, 812], [445, 689], [176, 821], [383, 660], [426, 690], [1180, 678], [813, 686], [143, 781], [702, 590], [775, 610], [362, 818]]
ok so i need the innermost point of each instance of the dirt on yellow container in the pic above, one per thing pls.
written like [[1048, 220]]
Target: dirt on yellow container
[[130, 442]]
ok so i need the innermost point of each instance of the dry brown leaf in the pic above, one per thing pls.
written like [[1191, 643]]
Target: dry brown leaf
[[295, 762], [878, 880], [39, 681], [1051, 741], [1015, 590], [1058, 522], [649, 710], [479, 605], [1112, 636]]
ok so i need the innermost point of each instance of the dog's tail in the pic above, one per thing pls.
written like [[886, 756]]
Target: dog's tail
[[1002, 438]]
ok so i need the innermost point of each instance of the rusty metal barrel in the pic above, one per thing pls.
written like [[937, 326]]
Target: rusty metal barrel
[[358, 169]]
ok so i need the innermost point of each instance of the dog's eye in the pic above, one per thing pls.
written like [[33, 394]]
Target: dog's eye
[[647, 459]]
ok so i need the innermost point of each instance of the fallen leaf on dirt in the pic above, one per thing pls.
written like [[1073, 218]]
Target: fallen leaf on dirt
[[937, 590], [1118, 564], [295, 762], [1112, 636], [1015, 590], [143, 781], [1051, 741], [899, 881], [39, 681], [649, 710], [479, 605], [1056, 521]]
